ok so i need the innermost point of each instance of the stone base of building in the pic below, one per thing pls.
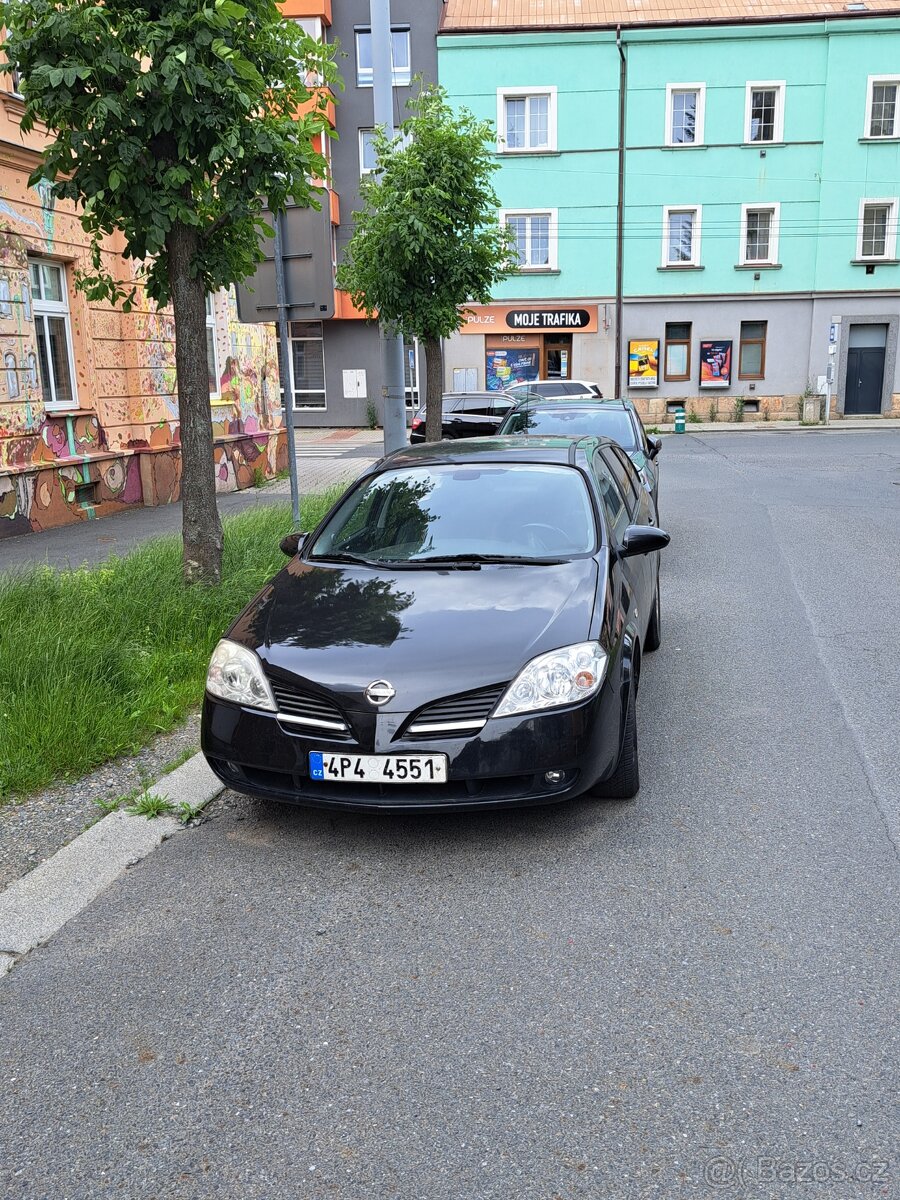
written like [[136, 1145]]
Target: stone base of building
[[660, 410], [61, 492]]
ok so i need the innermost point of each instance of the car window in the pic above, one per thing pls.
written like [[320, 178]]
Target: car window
[[551, 389], [577, 389], [614, 506], [514, 422], [525, 509], [476, 404], [639, 433], [502, 404], [566, 421], [450, 403], [625, 476]]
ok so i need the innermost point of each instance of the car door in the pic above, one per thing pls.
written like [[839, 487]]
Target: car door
[[640, 571], [622, 617]]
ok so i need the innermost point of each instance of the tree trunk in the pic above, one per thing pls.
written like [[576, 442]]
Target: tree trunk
[[201, 527], [434, 389]]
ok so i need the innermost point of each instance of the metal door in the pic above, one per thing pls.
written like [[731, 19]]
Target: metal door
[[865, 377]]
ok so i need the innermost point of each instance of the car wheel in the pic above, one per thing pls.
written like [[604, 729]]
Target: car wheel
[[654, 629], [625, 780]]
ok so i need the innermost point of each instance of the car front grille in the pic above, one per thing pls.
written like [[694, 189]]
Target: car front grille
[[309, 712], [458, 716]]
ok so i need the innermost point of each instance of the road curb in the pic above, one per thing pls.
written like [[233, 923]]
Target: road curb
[[35, 907]]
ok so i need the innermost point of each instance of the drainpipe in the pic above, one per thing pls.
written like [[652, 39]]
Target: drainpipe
[[620, 211]]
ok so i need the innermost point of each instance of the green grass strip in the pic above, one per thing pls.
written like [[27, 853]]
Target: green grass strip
[[95, 662]]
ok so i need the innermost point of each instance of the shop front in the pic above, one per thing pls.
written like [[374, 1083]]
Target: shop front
[[503, 344]]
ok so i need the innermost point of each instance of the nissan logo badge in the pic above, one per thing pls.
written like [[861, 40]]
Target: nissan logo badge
[[380, 692]]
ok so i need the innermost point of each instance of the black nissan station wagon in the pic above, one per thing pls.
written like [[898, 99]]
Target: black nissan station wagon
[[463, 630]]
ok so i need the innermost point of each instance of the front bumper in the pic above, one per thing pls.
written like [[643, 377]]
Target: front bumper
[[501, 766]]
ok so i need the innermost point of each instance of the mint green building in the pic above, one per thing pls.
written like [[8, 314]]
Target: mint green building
[[760, 175]]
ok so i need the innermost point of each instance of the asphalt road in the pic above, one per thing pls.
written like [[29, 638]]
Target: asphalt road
[[689, 995]]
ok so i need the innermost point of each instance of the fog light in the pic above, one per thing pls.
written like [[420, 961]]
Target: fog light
[[551, 778]]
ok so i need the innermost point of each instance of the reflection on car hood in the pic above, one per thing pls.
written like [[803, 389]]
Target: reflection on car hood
[[431, 633]]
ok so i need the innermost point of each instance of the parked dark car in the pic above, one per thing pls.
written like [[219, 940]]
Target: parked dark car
[[555, 389], [466, 414], [464, 629], [616, 419]]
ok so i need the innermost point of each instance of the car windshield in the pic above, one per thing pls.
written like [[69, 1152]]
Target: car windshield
[[495, 510], [613, 423]]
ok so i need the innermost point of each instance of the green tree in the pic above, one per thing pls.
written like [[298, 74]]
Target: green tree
[[172, 120], [427, 241]]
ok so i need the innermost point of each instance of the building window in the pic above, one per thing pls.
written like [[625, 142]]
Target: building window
[[535, 234], [15, 82], [307, 365], [752, 356], [678, 351], [212, 350], [400, 59], [883, 107], [681, 237], [50, 300], [764, 118], [411, 371], [685, 107], [759, 234], [877, 236], [526, 120], [367, 158]]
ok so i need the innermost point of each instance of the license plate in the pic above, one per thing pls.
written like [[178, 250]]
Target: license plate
[[381, 768]]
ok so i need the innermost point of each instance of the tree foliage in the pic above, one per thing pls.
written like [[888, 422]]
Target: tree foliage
[[427, 241], [170, 112]]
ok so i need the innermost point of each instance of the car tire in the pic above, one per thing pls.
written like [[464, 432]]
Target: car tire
[[654, 629], [625, 781]]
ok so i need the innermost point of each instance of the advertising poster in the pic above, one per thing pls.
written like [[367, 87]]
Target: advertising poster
[[715, 364], [506, 367], [643, 363]]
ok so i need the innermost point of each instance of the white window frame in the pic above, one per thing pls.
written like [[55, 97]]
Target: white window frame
[[323, 407], [774, 229], [55, 308], [699, 121], [697, 210], [363, 169], [414, 394], [890, 240], [525, 93], [212, 324], [779, 86], [870, 92], [552, 236], [364, 74]]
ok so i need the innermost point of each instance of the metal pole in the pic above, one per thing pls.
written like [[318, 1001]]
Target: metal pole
[[284, 347], [393, 381], [620, 214]]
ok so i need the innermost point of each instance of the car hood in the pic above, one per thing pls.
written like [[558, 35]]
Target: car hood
[[430, 633]]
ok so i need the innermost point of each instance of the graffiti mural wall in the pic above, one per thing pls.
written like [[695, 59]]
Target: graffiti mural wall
[[88, 394]]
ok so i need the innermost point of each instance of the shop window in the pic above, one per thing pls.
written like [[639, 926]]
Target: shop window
[[526, 119], [764, 112], [678, 351], [883, 107], [685, 105], [400, 59], [56, 364], [752, 352]]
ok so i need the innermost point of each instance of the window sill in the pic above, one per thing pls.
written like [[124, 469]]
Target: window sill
[[761, 145], [536, 271], [68, 410], [528, 153], [684, 146], [682, 267], [894, 137], [874, 262], [762, 266]]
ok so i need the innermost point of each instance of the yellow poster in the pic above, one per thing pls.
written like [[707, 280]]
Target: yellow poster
[[643, 363]]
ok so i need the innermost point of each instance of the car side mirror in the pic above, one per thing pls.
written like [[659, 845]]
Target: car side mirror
[[290, 544], [643, 539], [655, 445]]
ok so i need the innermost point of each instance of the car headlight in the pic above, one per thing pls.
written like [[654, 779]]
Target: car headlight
[[236, 674], [564, 676]]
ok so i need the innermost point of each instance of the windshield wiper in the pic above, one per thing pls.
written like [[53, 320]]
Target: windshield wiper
[[475, 560], [342, 556]]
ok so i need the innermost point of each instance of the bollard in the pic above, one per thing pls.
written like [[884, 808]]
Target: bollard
[[679, 420]]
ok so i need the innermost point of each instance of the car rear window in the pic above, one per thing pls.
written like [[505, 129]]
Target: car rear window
[[613, 423], [507, 509]]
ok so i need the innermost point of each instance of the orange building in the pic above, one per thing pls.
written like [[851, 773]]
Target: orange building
[[88, 405]]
